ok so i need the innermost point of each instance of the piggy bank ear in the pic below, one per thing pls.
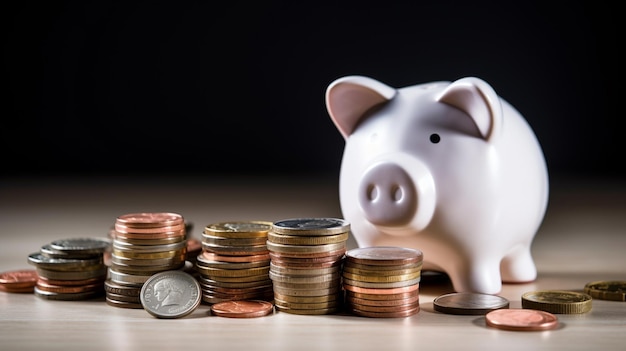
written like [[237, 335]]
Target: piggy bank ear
[[349, 98], [478, 99]]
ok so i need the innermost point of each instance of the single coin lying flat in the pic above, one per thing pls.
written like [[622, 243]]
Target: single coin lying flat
[[468, 303]]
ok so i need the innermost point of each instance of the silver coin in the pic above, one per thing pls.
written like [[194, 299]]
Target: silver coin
[[81, 245], [468, 303], [170, 294], [311, 226], [40, 260]]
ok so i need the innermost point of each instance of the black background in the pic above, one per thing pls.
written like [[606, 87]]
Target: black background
[[205, 87]]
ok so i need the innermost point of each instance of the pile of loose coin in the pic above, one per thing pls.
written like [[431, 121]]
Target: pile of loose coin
[[382, 281], [70, 269], [143, 244], [306, 260], [234, 262]]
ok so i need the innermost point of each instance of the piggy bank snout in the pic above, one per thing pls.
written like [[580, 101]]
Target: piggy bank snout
[[391, 197]]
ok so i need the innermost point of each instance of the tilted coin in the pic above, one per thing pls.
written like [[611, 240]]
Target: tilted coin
[[469, 303], [557, 301], [614, 290], [40, 260], [519, 319], [81, 245], [49, 295], [170, 294]]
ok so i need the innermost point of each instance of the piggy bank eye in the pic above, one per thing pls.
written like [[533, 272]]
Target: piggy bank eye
[[435, 138]]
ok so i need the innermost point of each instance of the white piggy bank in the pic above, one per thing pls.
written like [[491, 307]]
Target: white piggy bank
[[448, 168]]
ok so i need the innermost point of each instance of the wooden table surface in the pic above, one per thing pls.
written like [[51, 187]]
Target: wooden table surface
[[582, 239]]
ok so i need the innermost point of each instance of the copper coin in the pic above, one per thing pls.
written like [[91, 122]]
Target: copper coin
[[18, 279], [366, 302], [211, 256], [65, 282], [521, 319], [242, 308], [384, 255], [149, 219]]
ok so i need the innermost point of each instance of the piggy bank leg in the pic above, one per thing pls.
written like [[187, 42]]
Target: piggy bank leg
[[518, 266], [480, 277]]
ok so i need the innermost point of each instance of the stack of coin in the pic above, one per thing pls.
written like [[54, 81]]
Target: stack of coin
[[70, 269], [382, 281], [18, 281], [306, 259], [234, 263], [143, 244]]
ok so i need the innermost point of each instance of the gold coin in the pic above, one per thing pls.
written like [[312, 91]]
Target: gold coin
[[306, 292], [239, 229], [148, 255], [308, 299], [305, 248], [383, 268], [121, 242], [235, 250], [136, 262], [307, 305], [381, 298], [312, 279], [316, 311], [366, 302], [309, 286], [614, 290], [380, 285], [221, 241], [303, 271], [557, 301], [381, 278], [384, 255], [397, 314], [370, 272], [306, 240]]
